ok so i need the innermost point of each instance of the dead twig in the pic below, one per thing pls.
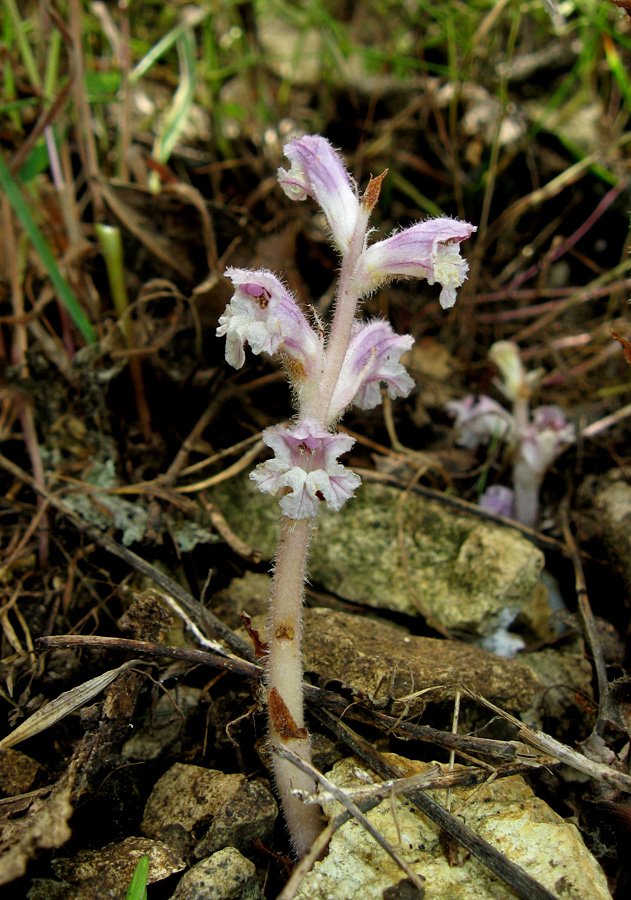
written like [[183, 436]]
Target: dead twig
[[243, 463], [172, 473], [218, 521], [585, 610], [514, 755], [87, 143], [50, 114], [561, 752], [606, 422]]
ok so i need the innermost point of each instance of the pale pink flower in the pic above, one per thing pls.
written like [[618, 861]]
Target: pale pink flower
[[305, 471], [429, 250], [546, 437], [372, 358], [477, 421], [317, 171], [263, 314], [499, 500]]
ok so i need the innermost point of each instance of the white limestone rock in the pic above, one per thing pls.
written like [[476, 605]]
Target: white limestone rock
[[506, 813]]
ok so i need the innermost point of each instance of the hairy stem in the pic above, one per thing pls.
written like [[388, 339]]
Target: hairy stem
[[284, 680], [344, 316]]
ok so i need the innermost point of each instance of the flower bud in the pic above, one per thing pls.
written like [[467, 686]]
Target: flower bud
[[499, 500], [317, 171], [516, 383]]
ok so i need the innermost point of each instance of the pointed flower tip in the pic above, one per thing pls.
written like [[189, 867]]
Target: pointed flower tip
[[317, 171], [304, 471]]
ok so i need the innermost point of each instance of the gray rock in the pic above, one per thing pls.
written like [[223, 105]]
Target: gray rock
[[226, 875], [404, 553], [249, 594], [165, 726], [566, 688], [610, 497], [188, 796], [47, 889], [249, 814]]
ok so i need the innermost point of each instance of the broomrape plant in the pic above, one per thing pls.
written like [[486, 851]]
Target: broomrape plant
[[329, 371], [535, 440]]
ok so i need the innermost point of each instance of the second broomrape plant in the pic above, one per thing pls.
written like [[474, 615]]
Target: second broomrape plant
[[328, 372]]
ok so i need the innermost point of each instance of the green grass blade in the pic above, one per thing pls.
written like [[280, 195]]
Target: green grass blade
[[137, 889], [28, 60], [12, 105], [412, 193], [51, 76], [39, 242], [189, 21], [618, 70], [178, 113]]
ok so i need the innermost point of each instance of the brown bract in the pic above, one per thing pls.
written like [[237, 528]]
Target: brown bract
[[371, 194], [282, 719]]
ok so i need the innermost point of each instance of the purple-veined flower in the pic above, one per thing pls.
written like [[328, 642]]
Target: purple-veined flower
[[477, 421], [263, 314], [429, 250], [304, 471], [372, 357], [317, 171]]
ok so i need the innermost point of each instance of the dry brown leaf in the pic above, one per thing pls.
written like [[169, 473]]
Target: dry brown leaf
[[63, 705]]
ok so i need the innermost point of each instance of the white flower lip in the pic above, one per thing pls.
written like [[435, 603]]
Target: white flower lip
[[305, 470], [317, 171]]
